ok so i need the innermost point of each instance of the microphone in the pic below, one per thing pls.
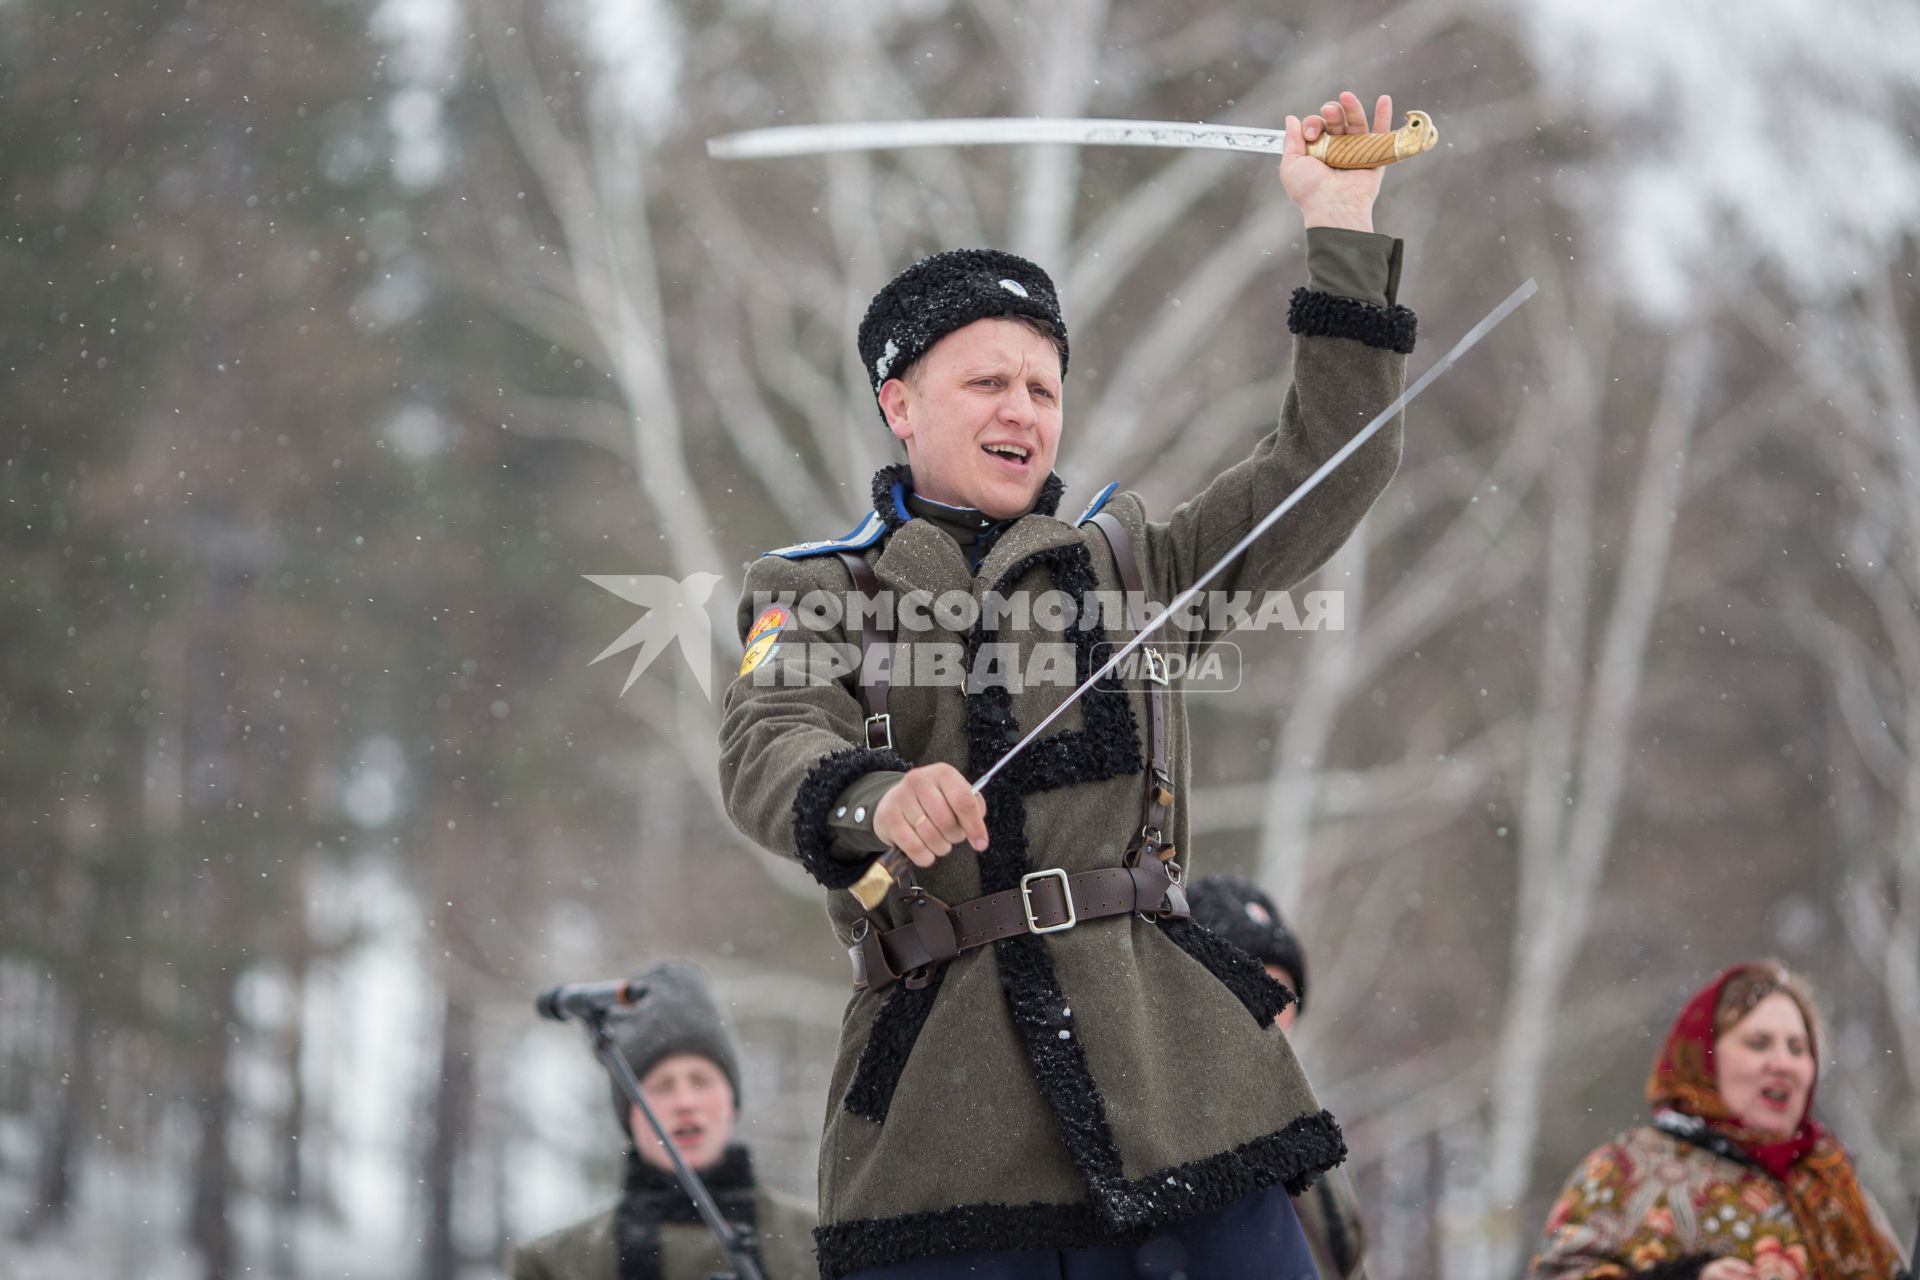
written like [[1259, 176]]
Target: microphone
[[583, 999]]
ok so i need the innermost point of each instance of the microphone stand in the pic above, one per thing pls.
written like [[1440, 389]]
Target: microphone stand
[[616, 1064]]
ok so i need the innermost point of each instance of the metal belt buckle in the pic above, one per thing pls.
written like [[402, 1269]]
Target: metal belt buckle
[[885, 721], [1156, 666], [1066, 892]]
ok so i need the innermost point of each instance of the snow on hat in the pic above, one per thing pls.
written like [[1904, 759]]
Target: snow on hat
[[1238, 911], [677, 1015], [949, 291]]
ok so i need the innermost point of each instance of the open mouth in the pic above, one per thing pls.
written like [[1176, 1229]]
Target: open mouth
[[1016, 456], [1777, 1096], [687, 1135]]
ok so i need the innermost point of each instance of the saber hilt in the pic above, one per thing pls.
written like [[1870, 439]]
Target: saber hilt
[[890, 871], [1371, 150]]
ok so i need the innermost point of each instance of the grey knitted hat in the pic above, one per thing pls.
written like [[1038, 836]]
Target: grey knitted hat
[[1238, 911], [677, 1015], [949, 291]]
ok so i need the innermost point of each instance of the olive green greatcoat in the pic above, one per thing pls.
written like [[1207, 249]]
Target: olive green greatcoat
[[1080, 1087]]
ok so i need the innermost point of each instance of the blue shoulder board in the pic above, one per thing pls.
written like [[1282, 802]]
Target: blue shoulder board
[[1099, 501], [864, 535]]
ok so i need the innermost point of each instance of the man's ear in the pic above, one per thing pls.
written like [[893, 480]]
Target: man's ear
[[894, 399]]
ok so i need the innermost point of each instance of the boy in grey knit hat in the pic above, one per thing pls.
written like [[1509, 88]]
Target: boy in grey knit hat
[[676, 1040]]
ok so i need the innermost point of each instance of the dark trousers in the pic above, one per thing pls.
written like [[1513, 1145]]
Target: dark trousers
[[1257, 1238]]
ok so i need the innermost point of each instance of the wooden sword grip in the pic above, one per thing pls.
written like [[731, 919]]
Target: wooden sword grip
[[890, 870], [1371, 150]]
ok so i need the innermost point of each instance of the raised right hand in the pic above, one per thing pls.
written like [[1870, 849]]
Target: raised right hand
[[928, 811], [1329, 197]]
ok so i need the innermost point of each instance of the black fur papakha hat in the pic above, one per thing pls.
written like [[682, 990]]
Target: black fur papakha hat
[[948, 291], [1238, 911], [676, 1015]]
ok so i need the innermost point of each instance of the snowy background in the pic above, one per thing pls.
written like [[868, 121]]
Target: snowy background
[[339, 339]]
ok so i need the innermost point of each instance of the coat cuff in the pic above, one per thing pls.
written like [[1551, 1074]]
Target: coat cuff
[[1354, 264], [813, 806], [850, 821], [1322, 315]]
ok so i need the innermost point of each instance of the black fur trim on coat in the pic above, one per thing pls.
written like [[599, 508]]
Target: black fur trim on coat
[[1241, 912], [1107, 746], [1292, 1158], [1108, 743], [967, 1228], [812, 839], [1687, 1268], [881, 492], [1325, 315], [652, 1196], [1059, 1062], [1047, 503], [895, 1028], [1239, 972]]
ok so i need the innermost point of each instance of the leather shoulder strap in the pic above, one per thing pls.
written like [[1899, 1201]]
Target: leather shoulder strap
[[876, 665], [1160, 795]]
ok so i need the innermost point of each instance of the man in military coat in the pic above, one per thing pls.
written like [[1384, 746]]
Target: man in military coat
[[1046, 1069]]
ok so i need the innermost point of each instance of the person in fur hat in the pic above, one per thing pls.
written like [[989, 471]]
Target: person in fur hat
[[678, 1045], [1240, 912], [1015, 1091]]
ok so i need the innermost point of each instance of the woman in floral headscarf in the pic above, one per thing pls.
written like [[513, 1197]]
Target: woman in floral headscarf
[[1734, 1179]]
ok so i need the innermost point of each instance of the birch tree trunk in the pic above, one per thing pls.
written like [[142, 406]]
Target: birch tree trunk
[[1867, 443], [1561, 864]]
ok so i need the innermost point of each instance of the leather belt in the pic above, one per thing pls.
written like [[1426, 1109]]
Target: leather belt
[[1050, 901]]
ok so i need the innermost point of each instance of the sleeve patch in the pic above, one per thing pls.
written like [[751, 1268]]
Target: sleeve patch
[[764, 636]]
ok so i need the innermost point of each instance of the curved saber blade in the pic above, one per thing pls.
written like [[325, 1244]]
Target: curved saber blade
[[816, 139], [1287, 504]]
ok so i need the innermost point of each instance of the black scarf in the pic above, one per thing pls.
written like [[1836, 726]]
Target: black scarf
[[652, 1196]]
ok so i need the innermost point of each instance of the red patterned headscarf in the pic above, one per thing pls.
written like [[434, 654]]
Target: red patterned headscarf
[[1810, 1165]]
